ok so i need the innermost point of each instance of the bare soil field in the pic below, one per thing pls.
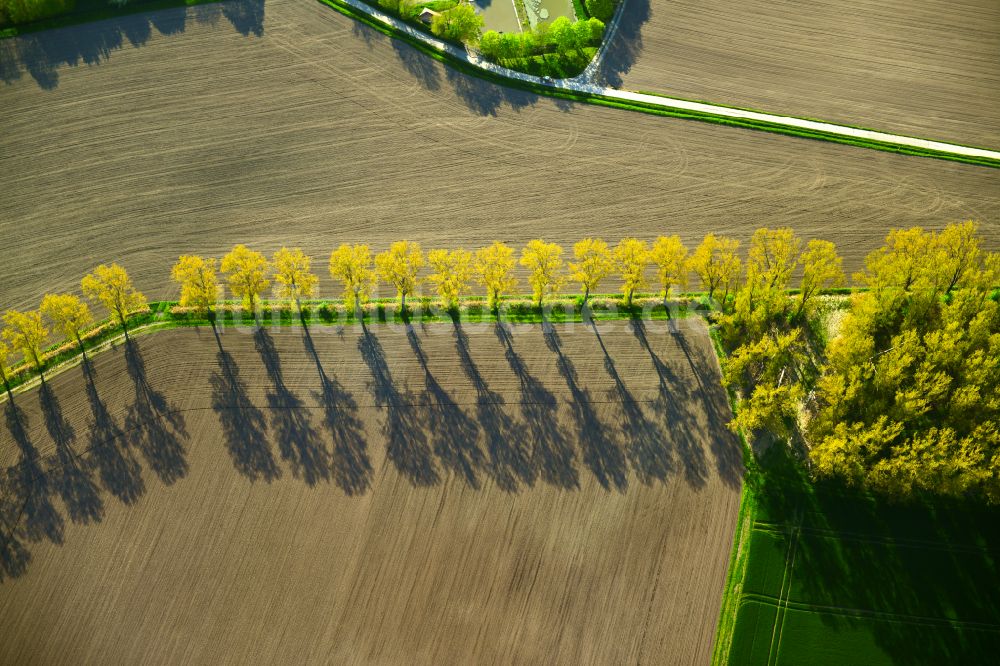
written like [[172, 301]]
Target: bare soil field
[[926, 68], [445, 495], [140, 139]]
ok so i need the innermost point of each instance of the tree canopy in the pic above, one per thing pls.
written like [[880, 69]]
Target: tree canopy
[[494, 267], [112, 287], [594, 262], [352, 265], [544, 263], [291, 272], [715, 261], [198, 281], [400, 266], [26, 332], [248, 273], [669, 256], [70, 315], [631, 258], [452, 271]]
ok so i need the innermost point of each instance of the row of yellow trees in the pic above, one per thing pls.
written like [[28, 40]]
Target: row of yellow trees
[[110, 286], [453, 272], [250, 274]]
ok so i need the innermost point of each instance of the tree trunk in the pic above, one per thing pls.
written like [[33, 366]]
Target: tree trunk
[[83, 350], [586, 294]]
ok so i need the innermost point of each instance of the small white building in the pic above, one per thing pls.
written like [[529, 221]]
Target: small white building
[[427, 15]]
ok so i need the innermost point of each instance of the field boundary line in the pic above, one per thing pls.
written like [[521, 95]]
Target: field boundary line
[[863, 537], [782, 601], [847, 611], [661, 104]]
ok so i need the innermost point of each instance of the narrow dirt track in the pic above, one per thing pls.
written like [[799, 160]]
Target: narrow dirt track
[[925, 68], [382, 498], [320, 131]]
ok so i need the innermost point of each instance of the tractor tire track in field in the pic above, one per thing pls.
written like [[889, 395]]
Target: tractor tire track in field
[[295, 566], [319, 131], [923, 68]]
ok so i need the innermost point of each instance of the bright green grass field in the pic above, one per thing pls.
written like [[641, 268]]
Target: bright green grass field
[[839, 577]]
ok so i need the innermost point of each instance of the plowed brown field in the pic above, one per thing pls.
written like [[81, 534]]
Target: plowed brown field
[[320, 131], [441, 496], [926, 68]]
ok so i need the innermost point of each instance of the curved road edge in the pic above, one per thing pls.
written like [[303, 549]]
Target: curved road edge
[[581, 90]]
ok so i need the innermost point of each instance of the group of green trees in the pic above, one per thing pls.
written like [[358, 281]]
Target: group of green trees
[[19, 12], [601, 9], [561, 37], [904, 396]]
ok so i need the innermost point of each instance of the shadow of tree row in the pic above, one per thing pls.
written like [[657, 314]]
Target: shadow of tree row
[[42, 54], [428, 434], [105, 453]]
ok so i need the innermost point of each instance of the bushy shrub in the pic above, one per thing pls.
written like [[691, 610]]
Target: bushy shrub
[[17, 12], [600, 9]]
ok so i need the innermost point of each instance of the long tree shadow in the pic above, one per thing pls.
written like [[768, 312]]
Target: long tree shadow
[[243, 425], [552, 455], [43, 53], [153, 426], [481, 97], [601, 455], [646, 443], [506, 440], [455, 435], [14, 557], [118, 470], [29, 485], [724, 443], [350, 464], [625, 45], [675, 403], [298, 442], [407, 446], [69, 475]]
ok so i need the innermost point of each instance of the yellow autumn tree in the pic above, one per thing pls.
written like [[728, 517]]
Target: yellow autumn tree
[[400, 266], [69, 314], [352, 265], [26, 332], [544, 263], [631, 259], [593, 263], [716, 263], [198, 281], [5, 367], [494, 266], [291, 272], [248, 273], [822, 268], [112, 287], [452, 272], [669, 256]]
